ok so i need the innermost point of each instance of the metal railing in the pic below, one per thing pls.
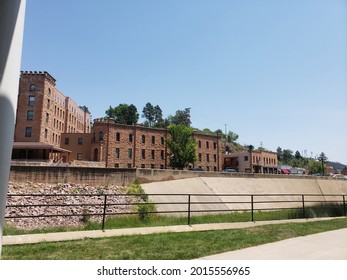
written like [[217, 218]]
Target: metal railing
[[187, 204]]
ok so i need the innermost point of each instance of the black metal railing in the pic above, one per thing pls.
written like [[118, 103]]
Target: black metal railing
[[188, 204]]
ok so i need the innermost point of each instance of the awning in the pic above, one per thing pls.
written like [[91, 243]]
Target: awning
[[285, 171], [38, 146]]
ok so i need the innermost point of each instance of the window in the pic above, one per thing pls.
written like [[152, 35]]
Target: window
[[214, 145], [208, 158], [143, 139], [30, 115], [129, 165], [117, 136], [130, 138], [200, 156], [67, 141], [47, 117], [31, 101], [32, 87], [28, 131], [117, 152], [162, 154], [101, 136], [130, 153], [152, 166], [207, 145], [153, 154], [246, 158], [162, 140], [80, 141], [48, 103], [143, 153], [116, 165], [79, 156], [46, 133], [199, 144], [153, 140], [215, 158], [143, 165]]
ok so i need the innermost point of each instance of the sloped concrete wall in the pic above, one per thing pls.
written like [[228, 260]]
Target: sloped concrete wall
[[235, 193]]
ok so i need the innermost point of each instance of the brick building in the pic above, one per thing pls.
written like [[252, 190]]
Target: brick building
[[43, 114], [127, 146], [53, 128], [252, 162]]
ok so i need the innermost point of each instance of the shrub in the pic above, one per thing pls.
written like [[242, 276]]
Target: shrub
[[144, 207]]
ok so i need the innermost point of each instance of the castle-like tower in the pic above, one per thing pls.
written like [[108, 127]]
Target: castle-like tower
[[44, 113]]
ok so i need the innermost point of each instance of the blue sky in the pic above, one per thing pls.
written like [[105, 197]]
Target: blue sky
[[274, 72]]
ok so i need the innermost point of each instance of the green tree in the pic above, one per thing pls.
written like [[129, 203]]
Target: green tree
[[298, 155], [279, 154], [314, 167], [322, 158], [232, 137], [287, 156], [182, 146], [85, 109], [148, 114], [124, 114], [181, 117]]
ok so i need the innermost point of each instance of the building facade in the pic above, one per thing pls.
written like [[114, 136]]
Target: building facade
[[252, 162], [135, 146], [43, 114]]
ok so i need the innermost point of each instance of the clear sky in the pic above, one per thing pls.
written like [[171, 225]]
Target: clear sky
[[274, 72]]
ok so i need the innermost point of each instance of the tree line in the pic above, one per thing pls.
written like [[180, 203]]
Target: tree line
[[314, 166]]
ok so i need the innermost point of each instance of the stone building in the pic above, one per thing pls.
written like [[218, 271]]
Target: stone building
[[43, 114]]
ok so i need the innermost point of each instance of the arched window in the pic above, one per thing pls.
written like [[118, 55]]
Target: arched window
[[101, 136], [117, 136], [143, 139], [130, 138], [32, 87]]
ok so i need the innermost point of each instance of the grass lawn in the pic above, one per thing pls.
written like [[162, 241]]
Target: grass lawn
[[168, 246]]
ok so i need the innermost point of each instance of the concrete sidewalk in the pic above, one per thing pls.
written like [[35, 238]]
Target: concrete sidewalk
[[326, 245], [330, 245], [77, 235]]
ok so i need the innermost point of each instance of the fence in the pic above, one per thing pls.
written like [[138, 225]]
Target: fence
[[103, 205]]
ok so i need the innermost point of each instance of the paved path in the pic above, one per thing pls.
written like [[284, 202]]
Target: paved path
[[323, 246], [330, 245]]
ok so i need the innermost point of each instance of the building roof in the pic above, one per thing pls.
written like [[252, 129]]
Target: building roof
[[38, 146]]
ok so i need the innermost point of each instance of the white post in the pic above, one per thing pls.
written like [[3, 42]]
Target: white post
[[12, 14]]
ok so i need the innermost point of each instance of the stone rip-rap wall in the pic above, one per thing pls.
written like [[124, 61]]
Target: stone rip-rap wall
[[59, 189]]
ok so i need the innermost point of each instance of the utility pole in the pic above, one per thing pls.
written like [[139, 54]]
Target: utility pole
[[12, 13]]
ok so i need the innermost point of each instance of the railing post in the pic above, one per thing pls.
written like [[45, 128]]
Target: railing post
[[188, 209], [252, 206], [344, 205], [104, 213], [303, 206]]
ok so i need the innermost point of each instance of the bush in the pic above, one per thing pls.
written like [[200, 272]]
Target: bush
[[144, 207]]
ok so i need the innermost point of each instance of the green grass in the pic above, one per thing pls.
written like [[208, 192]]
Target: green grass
[[152, 220], [168, 246]]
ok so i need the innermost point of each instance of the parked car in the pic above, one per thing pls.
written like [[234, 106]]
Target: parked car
[[229, 170], [197, 169]]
